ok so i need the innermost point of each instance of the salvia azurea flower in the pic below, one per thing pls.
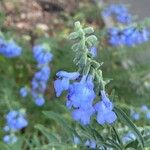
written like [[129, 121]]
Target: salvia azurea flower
[[81, 94], [104, 109], [15, 121], [147, 115], [119, 13], [129, 36], [43, 57], [24, 91], [144, 108], [42, 54], [9, 49], [83, 115], [62, 83], [39, 100], [90, 144], [135, 115], [128, 137], [10, 139], [39, 83], [80, 98]]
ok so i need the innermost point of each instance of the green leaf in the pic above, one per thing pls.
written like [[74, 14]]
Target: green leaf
[[4, 146], [117, 136], [49, 135], [125, 119], [132, 144], [60, 121]]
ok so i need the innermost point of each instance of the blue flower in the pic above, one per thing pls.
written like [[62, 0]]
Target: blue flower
[[116, 38], [6, 128], [40, 79], [10, 139], [39, 101], [93, 51], [119, 12], [129, 36], [80, 98], [148, 115], [24, 91], [10, 49], [124, 18], [128, 137], [104, 110], [90, 144], [41, 54], [83, 115], [134, 115], [2, 45], [81, 94], [144, 108], [62, 83], [43, 74], [16, 120]]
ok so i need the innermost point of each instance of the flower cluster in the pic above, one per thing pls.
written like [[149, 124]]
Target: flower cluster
[[143, 112], [119, 12], [15, 121], [104, 110], [129, 36], [24, 91], [9, 49], [82, 86], [39, 81], [80, 98], [128, 137]]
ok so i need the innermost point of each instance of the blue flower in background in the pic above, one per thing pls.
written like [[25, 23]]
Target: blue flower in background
[[42, 54], [43, 74], [116, 38], [39, 101], [104, 110], [128, 137], [119, 12], [90, 144], [144, 108], [135, 115], [9, 48], [24, 91], [129, 36], [148, 115], [16, 120], [62, 83], [6, 128], [10, 139], [39, 82], [2, 45]]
